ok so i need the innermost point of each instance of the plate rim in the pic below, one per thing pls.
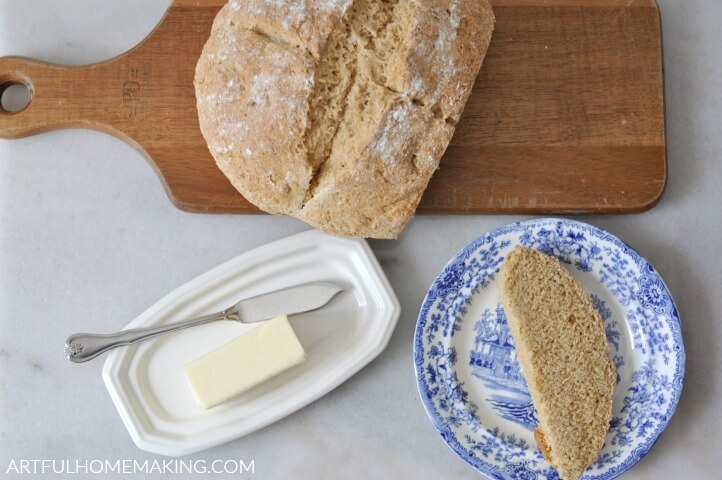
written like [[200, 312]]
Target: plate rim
[[149, 440], [640, 451]]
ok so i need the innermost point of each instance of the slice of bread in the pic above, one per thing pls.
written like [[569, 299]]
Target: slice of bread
[[563, 353]]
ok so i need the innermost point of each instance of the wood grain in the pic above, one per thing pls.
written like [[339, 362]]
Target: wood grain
[[567, 115]]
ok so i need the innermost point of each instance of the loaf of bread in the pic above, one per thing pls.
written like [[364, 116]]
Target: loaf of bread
[[338, 111], [563, 353]]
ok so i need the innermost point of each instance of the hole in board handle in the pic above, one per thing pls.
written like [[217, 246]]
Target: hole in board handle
[[14, 97]]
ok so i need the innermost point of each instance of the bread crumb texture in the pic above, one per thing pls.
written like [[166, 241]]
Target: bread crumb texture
[[338, 111], [564, 356]]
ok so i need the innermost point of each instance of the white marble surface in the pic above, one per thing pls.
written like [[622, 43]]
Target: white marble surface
[[88, 240]]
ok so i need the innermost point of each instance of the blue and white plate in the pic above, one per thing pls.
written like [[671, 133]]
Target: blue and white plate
[[466, 367]]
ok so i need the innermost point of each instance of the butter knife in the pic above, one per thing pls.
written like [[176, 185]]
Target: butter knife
[[82, 347]]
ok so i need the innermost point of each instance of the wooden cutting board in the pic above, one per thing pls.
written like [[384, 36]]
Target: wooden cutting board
[[567, 115]]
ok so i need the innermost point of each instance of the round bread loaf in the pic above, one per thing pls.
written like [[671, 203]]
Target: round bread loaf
[[338, 111]]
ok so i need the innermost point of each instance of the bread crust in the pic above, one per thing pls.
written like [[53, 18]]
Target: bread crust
[[260, 76], [542, 443]]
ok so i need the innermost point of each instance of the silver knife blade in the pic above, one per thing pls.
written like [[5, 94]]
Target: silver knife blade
[[287, 301]]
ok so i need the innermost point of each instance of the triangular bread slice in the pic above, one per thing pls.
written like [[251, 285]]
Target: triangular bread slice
[[563, 353]]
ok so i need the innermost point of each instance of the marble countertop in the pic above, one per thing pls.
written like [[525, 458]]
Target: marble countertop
[[88, 240]]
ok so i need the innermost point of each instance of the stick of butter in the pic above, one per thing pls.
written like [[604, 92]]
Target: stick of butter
[[266, 351]]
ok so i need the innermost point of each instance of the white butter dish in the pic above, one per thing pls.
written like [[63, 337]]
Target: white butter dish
[[146, 381]]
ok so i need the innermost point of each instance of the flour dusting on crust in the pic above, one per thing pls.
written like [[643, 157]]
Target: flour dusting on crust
[[338, 111]]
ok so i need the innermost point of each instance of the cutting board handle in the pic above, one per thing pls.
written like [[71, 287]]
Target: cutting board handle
[[60, 97], [42, 113], [31, 119]]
